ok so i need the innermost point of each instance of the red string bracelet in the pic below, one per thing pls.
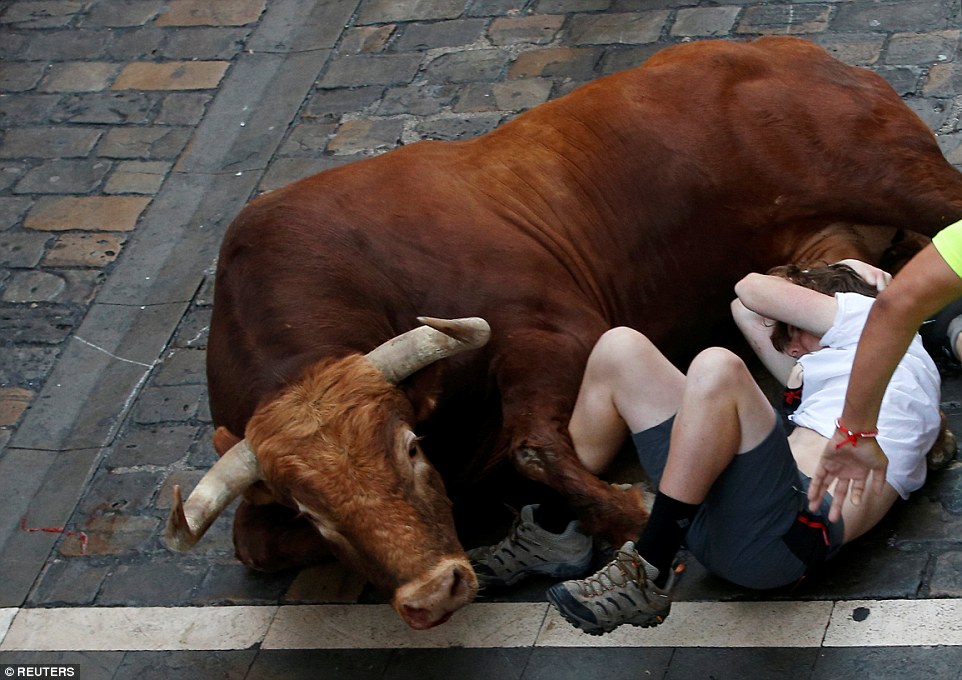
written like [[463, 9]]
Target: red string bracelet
[[853, 437]]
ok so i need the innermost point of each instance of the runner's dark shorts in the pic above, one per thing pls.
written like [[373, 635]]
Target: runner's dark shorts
[[754, 528]]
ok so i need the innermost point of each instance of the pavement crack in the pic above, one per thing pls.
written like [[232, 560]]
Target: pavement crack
[[112, 355]]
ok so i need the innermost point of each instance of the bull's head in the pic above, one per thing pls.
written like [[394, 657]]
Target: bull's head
[[339, 445]]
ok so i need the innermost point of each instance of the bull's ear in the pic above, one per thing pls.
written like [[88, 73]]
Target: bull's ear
[[224, 440]]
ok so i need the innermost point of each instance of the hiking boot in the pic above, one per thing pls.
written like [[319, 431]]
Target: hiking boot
[[623, 591], [530, 549]]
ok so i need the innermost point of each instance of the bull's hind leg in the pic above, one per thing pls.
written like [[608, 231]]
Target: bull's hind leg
[[273, 537]]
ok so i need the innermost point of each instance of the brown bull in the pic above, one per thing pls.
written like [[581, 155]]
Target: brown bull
[[638, 200]]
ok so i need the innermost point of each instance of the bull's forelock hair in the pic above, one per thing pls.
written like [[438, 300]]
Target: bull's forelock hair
[[828, 279], [305, 427]]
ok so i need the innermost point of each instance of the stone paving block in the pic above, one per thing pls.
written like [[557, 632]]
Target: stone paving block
[[233, 583], [72, 582], [490, 8], [111, 534], [421, 100], [13, 44], [923, 48], [167, 404], [181, 367], [68, 45], [105, 108], [623, 28], [307, 140], [330, 105], [366, 136], [784, 19], [33, 286], [183, 108], [13, 402], [896, 15], [882, 662], [136, 45], [46, 324], [41, 13], [944, 80], [533, 29], [338, 664], [382, 11], [84, 250], [122, 13], [12, 208], [26, 365], [88, 213], [210, 665], [286, 170], [11, 172], [620, 59], [194, 329], [459, 127], [379, 69], [49, 142], [734, 663], [81, 76], [514, 95], [205, 43], [566, 6], [145, 143], [947, 576], [904, 80], [21, 76], [555, 62], [21, 249], [203, 13], [862, 49], [137, 177], [26, 110], [158, 582], [438, 34], [366, 39], [933, 112], [473, 66], [705, 22], [160, 445], [64, 177], [127, 491], [178, 75]]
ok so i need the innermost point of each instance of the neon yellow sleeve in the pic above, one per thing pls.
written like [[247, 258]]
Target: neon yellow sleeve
[[949, 244]]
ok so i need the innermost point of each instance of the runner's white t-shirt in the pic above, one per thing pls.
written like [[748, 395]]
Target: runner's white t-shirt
[[909, 420]]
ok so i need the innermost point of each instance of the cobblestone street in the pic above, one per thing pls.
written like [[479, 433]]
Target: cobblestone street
[[133, 131]]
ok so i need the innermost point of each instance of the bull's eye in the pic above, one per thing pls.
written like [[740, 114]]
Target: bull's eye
[[413, 449]]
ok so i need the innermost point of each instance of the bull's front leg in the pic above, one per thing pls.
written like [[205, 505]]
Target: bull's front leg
[[539, 383]]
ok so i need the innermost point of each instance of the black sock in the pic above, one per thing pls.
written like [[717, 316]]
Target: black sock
[[553, 514], [662, 537]]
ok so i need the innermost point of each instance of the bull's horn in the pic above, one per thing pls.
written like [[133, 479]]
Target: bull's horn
[[228, 478], [439, 338]]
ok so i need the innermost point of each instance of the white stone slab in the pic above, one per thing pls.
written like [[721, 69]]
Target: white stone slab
[[378, 626], [707, 624], [893, 623], [143, 629], [6, 618]]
